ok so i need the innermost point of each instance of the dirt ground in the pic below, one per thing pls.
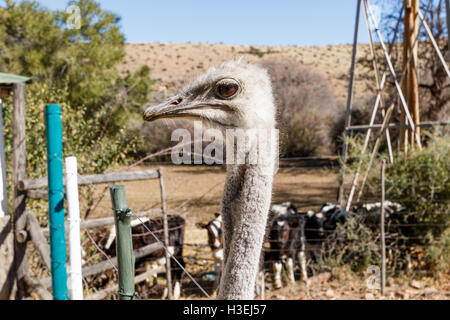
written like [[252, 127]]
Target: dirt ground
[[195, 193]]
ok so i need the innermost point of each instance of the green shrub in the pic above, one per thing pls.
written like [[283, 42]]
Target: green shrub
[[352, 244], [418, 236]]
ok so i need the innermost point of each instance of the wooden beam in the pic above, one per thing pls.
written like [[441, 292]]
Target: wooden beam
[[37, 194], [111, 263], [28, 184], [36, 285], [103, 222], [38, 238], [397, 125], [374, 153], [18, 174], [114, 288]]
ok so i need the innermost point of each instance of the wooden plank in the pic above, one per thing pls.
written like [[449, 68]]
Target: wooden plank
[[103, 222], [38, 287], [114, 288], [40, 183], [38, 238], [397, 125], [18, 174], [108, 264], [37, 194], [373, 155]]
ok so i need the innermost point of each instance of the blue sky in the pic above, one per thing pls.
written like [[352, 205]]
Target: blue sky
[[250, 22]]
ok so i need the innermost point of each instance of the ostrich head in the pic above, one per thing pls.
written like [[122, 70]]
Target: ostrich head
[[233, 95]]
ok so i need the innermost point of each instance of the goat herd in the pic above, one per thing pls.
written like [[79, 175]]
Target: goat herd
[[293, 238]]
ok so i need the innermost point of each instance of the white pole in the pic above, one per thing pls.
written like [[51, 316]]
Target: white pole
[[75, 275], [3, 192]]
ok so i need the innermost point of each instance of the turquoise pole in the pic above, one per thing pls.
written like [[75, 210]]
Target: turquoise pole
[[56, 201]]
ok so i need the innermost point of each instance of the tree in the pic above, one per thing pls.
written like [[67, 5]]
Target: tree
[[434, 84], [75, 68]]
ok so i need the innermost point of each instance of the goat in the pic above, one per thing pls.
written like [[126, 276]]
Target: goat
[[287, 242], [215, 241]]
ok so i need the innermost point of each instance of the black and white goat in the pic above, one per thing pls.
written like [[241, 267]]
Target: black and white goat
[[287, 242], [215, 241]]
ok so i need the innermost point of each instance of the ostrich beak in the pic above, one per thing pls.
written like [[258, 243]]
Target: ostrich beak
[[178, 106], [168, 108]]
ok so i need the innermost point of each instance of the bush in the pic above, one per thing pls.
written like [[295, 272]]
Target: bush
[[418, 236], [421, 183], [305, 105], [352, 244], [83, 137]]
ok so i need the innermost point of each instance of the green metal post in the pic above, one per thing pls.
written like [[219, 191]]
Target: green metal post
[[56, 201], [124, 242]]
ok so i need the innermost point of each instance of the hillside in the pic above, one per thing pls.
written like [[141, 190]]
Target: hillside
[[171, 64]]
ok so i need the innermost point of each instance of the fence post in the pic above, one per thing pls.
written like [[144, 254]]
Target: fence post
[[56, 201], [73, 207], [124, 243], [3, 193], [166, 235], [383, 244], [19, 161]]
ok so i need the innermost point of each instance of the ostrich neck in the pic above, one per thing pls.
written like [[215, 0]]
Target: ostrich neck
[[245, 207]]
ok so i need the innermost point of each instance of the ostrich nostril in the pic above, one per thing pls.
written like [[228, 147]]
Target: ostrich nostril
[[176, 102]]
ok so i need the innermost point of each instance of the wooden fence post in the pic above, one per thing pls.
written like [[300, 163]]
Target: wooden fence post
[[18, 174], [166, 234], [3, 192], [383, 243]]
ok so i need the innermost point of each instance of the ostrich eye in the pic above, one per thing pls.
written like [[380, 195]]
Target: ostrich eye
[[227, 89]]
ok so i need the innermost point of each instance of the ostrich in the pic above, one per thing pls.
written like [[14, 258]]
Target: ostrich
[[235, 95]]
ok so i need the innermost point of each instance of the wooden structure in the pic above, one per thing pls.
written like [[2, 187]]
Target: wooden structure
[[406, 86], [12, 85], [38, 234], [22, 225], [410, 84]]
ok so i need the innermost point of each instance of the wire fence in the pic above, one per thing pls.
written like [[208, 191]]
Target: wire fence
[[198, 274]]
